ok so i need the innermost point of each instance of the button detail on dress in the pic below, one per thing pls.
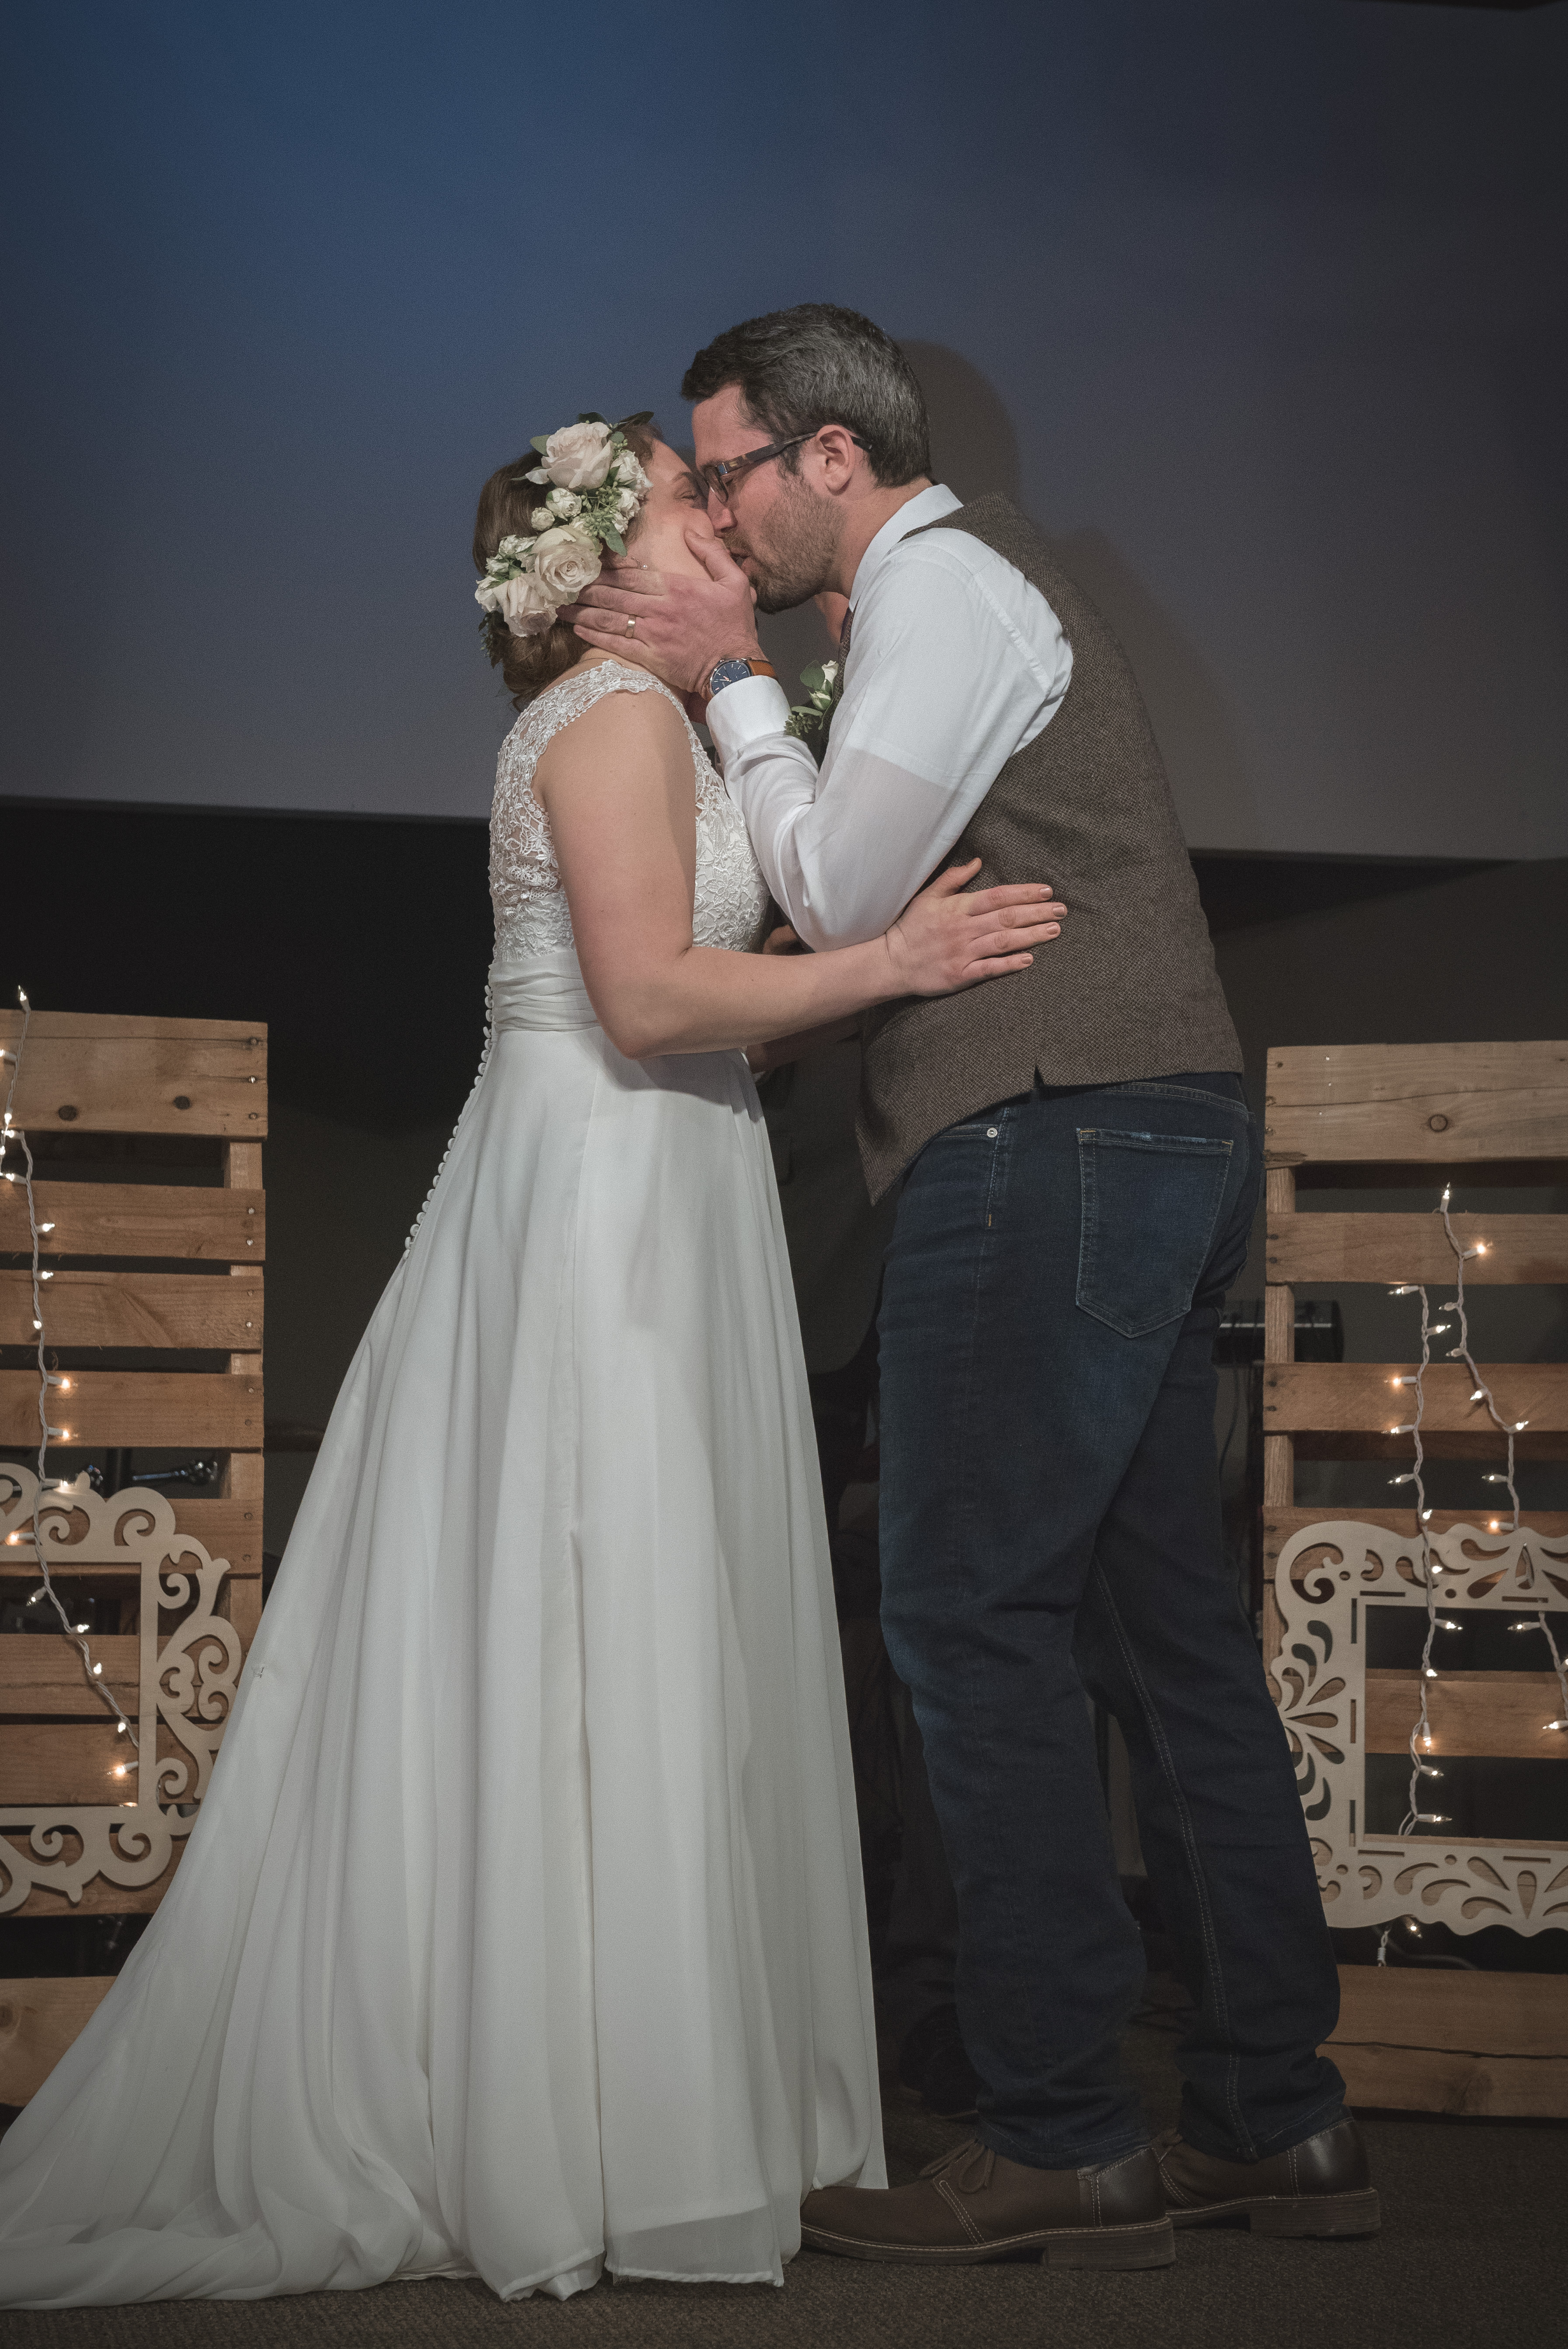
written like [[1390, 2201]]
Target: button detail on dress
[[990, 1133]]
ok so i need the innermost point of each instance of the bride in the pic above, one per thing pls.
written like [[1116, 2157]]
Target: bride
[[522, 1932]]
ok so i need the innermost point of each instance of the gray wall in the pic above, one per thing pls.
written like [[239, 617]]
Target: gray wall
[[1259, 308]]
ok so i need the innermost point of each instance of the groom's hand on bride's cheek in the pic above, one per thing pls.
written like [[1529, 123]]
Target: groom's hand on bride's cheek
[[682, 625]]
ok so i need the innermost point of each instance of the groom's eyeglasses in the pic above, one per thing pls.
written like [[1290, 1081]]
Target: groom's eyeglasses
[[719, 479]]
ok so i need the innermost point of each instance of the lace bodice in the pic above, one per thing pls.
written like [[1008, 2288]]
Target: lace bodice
[[530, 910]]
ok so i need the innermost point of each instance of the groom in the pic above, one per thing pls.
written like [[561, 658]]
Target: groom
[[1080, 1176]]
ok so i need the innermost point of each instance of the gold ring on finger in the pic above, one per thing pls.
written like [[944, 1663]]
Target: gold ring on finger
[[632, 625]]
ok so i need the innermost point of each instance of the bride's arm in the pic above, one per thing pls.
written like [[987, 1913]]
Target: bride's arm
[[617, 788]]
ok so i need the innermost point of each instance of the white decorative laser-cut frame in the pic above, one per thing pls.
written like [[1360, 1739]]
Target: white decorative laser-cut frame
[[186, 1686], [1460, 1882]]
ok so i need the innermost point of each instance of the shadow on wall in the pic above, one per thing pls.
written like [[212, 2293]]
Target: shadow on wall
[[974, 449]]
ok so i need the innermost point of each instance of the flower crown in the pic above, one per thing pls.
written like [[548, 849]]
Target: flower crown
[[598, 492]]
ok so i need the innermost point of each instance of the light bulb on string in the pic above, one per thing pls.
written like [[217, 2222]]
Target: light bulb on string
[[47, 1379]]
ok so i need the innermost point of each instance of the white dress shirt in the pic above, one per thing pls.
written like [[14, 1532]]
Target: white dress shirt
[[956, 661]]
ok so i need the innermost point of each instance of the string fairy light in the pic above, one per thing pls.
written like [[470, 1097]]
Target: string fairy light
[[49, 1382], [1422, 1732]]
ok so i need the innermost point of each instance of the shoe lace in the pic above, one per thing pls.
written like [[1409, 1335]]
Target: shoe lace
[[968, 2165]]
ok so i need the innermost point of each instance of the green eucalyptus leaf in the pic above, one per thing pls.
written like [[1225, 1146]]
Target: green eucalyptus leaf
[[540, 441], [614, 540]]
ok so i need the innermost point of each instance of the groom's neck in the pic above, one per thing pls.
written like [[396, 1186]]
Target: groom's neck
[[862, 522]]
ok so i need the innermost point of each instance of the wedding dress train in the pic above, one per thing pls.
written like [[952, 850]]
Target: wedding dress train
[[522, 1932]]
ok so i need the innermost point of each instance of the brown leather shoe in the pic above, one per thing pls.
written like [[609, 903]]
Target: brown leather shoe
[[1321, 2186], [975, 2204]]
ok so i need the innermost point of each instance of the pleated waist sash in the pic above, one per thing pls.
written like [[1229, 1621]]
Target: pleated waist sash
[[545, 991]]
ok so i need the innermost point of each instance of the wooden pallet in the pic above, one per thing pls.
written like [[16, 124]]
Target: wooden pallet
[[1379, 1115], [1443, 2042], [174, 1268]]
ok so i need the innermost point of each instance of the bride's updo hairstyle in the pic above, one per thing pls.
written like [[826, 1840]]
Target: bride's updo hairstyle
[[507, 503]]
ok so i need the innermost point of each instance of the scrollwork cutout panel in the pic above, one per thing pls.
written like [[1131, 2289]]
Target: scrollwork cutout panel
[[187, 1679], [1321, 1672]]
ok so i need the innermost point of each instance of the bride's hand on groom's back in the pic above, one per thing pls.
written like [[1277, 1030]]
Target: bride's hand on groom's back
[[948, 939], [685, 623]]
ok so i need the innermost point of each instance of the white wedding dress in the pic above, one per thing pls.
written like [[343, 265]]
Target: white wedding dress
[[521, 1933]]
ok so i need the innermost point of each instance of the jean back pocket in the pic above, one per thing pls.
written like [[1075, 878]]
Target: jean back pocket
[[1150, 1204]]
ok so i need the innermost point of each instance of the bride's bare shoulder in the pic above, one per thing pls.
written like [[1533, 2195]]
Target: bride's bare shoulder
[[629, 720]]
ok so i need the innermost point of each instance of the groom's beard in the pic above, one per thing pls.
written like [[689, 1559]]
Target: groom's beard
[[802, 539]]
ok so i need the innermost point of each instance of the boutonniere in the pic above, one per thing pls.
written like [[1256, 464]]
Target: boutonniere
[[808, 720]]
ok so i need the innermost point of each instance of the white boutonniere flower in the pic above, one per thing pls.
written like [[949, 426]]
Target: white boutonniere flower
[[808, 720]]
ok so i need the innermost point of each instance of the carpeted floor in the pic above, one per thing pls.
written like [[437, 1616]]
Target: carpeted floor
[[1471, 2258]]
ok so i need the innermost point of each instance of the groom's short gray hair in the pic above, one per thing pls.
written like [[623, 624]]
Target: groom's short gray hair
[[799, 369]]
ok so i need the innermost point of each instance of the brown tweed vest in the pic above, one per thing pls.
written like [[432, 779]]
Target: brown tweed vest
[[1130, 988]]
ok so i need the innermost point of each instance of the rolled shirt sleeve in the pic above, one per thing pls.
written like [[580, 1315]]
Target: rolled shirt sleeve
[[955, 662]]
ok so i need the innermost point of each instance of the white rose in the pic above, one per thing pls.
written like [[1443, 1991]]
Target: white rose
[[541, 518], [515, 547], [522, 604], [829, 671], [563, 505], [565, 562], [629, 472], [626, 504], [578, 456]]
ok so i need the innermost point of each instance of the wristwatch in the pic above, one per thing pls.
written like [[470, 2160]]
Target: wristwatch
[[735, 672]]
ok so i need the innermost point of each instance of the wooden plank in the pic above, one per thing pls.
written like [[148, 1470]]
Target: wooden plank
[[1279, 1324], [139, 1219], [117, 1027], [43, 1673], [136, 1309], [1279, 1191], [1469, 1713], [1437, 1104], [89, 1073], [1319, 1251], [242, 1172], [1279, 1469], [229, 1528], [38, 2021], [242, 1166], [98, 1897], [240, 1601], [1432, 2080], [171, 1410], [1480, 2014], [1349, 1411], [183, 1410], [66, 1762]]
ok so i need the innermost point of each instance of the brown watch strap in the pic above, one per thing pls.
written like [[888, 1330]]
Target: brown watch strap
[[759, 668]]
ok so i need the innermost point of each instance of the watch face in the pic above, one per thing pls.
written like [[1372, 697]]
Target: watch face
[[728, 672]]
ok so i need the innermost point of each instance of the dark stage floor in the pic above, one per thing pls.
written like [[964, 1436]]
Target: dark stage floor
[[1470, 2254]]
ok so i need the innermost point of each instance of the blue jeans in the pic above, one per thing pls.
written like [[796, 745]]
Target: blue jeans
[[1050, 1524]]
